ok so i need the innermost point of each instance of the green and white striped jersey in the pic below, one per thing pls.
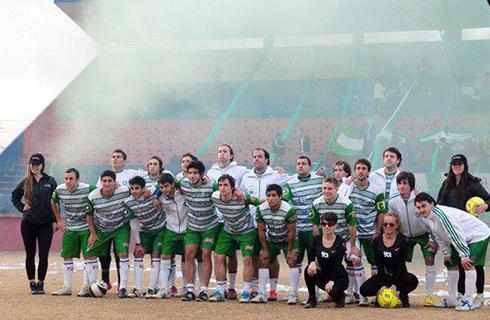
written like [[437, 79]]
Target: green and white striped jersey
[[276, 222], [236, 214], [342, 207], [75, 204], [201, 212], [368, 203], [109, 213], [143, 209], [300, 193]]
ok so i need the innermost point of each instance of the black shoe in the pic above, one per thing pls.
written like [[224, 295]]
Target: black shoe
[[33, 286], [40, 287], [405, 302], [311, 303], [202, 297], [189, 296], [340, 301], [123, 293]]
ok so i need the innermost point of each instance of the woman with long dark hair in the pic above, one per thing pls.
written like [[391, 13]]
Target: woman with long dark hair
[[458, 187], [32, 197]]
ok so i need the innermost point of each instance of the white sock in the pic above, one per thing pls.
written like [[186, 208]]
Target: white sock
[[182, 270], [205, 289], [430, 279], [255, 285], [452, 284], [232, 280], [85, 274], [154, 273], [374, 270], [273, 282], [263, 278], [246, 286], [293, 280], [220, 287], [360, 276], [470, 284], [92, 270], [173, 269], [352, 279], [124, 271], [138, 273], [165, 267], [189, 287], [199, 273], [68, 274]]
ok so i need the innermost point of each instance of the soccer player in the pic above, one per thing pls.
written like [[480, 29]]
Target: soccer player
[[276, 222], [300, 191], [415, 229], [331, 201], [74, 196], [462, 239], [341, 171], [148, 225], [239, 229], [154, 171], [108, 222], [185, 159], [369, 204], [386, 177]]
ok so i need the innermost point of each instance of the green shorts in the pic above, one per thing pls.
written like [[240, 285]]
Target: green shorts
[[478, 253], [204, 239], [173, 243], [73, 242], [305, 243], [276, 247], [152, 241], [228, 241], [120, 237], [422, 240], [368, 250]]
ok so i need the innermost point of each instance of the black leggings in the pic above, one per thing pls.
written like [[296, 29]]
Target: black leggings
[[406, 283], [340, 283], [105, 263], [480, 280], [43, 234]]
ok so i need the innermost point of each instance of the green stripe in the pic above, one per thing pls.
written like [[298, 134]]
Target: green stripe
[[449, 227]]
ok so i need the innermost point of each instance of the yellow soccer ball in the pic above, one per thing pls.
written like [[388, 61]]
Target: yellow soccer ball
[[388, 298], [472, 203]]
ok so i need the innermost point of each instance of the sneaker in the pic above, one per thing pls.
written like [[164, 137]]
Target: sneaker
[[405, 301], [428, 301], [245, 298], [216, 297], [259, 299], [292, 298], [350, 298], [135, 293], [231, 294], [173, 291], [459, 298], [202, 297], [253, 294], [465, 305], [40, 287], [33, 287], [189, 296], [150, 294], [364, 302], [272, 295], [84, 292], [310, 303], [446, 303], [478, 300], [181, 293], [162, 294], [123, 293], [62, 292]]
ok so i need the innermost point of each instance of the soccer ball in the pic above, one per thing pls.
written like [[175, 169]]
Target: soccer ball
[[388, 298], [98, 288], [472, 203]]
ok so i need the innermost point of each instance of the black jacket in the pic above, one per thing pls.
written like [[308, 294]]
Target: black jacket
[[41, 211], [475, 189], [391, 260]]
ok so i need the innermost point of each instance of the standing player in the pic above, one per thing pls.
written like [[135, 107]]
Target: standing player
[[108, 222], [74, 196], [148, 225], [463, 239], [331, 201], [414, 228], [276, 222], [154, 169], [300, 191], [185, 159], [369, 204], [341, 171], [386, 177]]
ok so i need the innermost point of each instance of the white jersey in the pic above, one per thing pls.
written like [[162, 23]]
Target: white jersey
[[123, 177], [175, 211], [411, 222], [455, 227], [386, 182]]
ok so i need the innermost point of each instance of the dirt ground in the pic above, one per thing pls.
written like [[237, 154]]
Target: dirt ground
[[17, 303]]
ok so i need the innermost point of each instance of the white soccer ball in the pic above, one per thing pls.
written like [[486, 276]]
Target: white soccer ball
[[98, 288]]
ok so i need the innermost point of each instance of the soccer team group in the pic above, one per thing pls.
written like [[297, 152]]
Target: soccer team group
[[260, 211]]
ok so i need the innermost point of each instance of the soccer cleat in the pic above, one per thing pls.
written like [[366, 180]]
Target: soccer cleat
[[40, 287], [150, 294], [478, 300], [253, 294], [259, 299], [62, 292], [202, 297], [161, 294], [84, 292], [465, 305], [33, 287], [292, 298], [246, 297], [446, 303], [181, 293], [350, 298], [428, 301], [364, 302], [216, 297], [272, 295], [123, 293], [459, 298], [173, 291], [310, 303], [135, 293], [189, 296], [231, 294]]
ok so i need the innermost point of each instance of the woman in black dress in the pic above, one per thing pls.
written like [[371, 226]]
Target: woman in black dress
[[327, 271], [390, 253]]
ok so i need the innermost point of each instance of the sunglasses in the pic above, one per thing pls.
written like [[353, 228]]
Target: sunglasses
[[389, 224], [329, 223]]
